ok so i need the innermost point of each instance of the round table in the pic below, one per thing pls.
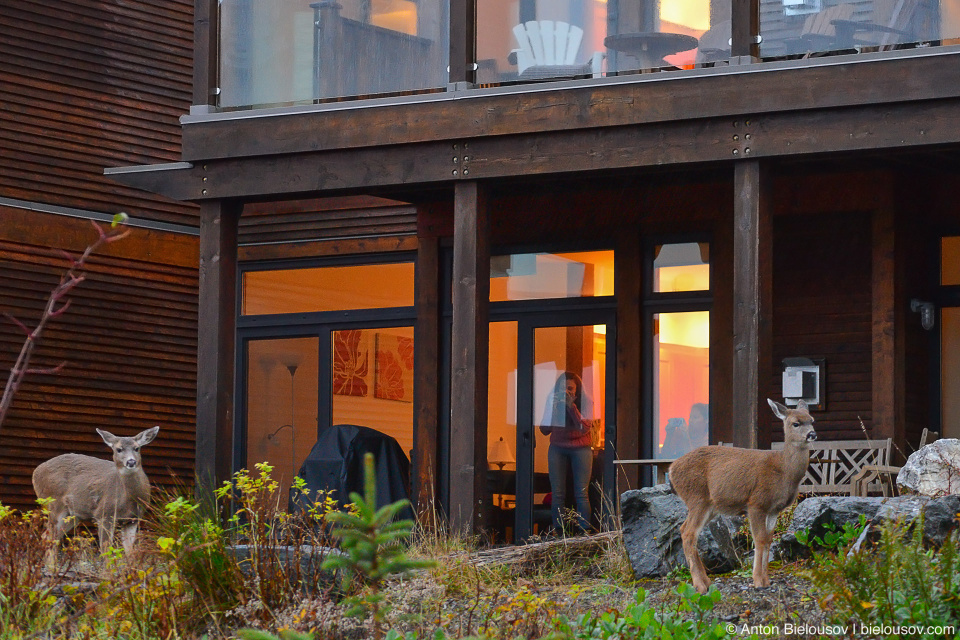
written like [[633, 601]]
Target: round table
[[650, 47]]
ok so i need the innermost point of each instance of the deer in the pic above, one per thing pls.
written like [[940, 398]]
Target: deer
[[716, 480], [84, 489]]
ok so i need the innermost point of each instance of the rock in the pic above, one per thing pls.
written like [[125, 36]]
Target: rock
[[939, 517], [816, 514], [651, 519], [298, 564], [933, 471]]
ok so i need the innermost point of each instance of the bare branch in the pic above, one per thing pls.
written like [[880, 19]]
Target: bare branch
[[56, 305]]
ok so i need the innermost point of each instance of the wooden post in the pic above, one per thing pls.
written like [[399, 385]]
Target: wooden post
[[463, 38], [426, 387], [206, 63], [629, 288], [752, 294], [744, 28], [216, 341], [888, 352], [469, 357]]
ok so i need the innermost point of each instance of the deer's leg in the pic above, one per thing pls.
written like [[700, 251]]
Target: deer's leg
[[128, 533], [106, 527], [690, 533], [761, 526], [59, 523]]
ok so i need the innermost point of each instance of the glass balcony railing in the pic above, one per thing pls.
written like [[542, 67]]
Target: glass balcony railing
[[277, 52], [796, 28], [291, 51], [534, 40]]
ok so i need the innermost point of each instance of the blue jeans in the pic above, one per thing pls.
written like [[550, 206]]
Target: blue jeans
[[580, 462]]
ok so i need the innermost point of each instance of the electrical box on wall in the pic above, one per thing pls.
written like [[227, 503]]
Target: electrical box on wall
[[803, 379]]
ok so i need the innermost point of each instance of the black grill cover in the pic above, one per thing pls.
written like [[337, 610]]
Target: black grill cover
[[336, 464]]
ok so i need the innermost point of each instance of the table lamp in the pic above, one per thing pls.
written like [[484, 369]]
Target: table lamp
[[500, 455]]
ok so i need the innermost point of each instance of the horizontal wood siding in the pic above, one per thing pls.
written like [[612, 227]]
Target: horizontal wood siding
[[822, 309], [326, 219], [129, 340], [88, 84]]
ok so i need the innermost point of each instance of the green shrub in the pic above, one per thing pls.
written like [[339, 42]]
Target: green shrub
[[834, 539], [898, 582]]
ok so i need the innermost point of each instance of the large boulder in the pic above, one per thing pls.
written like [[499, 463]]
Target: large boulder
[[939, 517], [933, 471], [651, 521], [817, 515]]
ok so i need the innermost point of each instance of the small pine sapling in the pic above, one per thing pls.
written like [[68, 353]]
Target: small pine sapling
[[372, 542]]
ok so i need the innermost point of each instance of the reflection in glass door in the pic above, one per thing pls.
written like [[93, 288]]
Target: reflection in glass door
[[569, 376], [527, 408], [281, 414]]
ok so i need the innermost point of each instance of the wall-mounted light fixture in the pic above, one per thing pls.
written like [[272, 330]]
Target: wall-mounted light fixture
[[926, 311]]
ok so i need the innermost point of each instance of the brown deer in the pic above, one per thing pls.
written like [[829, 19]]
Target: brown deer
[[725, 480], [85, 488]]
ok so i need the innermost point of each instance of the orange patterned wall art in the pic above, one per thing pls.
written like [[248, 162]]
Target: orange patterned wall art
[[351, 354], [393, 379]]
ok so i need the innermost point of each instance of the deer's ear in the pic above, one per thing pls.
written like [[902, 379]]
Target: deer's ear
[[146, 437], [802, 406], [778, 409], [108, 437]]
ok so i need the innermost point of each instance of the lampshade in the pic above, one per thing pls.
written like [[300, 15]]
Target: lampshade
[[500, 454]]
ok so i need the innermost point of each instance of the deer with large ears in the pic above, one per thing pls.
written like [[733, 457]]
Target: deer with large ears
[[726, 480], [85, 488]]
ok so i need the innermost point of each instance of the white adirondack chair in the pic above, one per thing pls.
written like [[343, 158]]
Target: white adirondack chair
[[549, 49]]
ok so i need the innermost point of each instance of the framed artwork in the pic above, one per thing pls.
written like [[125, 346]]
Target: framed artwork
[[393, 378], [351, 356]]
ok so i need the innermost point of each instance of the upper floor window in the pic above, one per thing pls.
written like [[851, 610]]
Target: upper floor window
[[300, 51], [540, 276], [333, 288]]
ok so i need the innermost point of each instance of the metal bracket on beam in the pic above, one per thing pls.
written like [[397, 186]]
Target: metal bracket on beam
[[743, 138], [461, 160]]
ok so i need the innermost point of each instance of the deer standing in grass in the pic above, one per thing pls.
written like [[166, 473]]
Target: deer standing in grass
[[725, 480], [85, 488]]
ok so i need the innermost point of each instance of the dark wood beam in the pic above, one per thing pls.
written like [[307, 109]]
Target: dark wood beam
[[722, 92], [426, 398], [469, 357], [216, 342], [752, 296], [888, 355], [791, 134], [629, 351]]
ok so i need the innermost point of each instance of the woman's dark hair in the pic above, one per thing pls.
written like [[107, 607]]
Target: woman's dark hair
[[560, 388]]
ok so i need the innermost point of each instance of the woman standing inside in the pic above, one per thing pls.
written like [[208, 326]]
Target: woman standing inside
[[570, 441]]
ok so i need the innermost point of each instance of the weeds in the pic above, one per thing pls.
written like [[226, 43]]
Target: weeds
[[898, 582]]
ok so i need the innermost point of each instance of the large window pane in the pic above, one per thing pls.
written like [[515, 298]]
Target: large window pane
[[681, 382], [288, 51], [798, 27], [534, 40], [565, 355], [537, 276], [369, 286], [281, 405], [372, 381]]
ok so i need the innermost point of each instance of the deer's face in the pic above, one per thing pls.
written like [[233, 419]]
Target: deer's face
[[798, 426], [797, 423], [126, 451]]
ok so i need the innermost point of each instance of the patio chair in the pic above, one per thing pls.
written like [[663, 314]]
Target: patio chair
[[549, 49]]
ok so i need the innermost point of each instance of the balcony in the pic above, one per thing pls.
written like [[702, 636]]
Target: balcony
[[307, 52]]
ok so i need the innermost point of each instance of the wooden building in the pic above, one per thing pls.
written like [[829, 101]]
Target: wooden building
[[415, 215], [86, 84]]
